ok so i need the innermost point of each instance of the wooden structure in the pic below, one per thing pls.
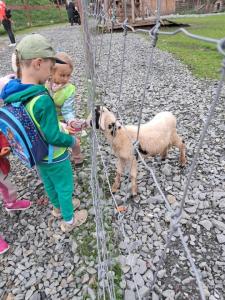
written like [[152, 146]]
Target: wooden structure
[[138, 12], [199, 6]]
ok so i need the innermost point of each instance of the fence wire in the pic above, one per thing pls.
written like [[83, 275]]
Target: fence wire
[[107, 289]]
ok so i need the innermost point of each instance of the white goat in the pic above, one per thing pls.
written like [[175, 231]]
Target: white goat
[[155, 137]]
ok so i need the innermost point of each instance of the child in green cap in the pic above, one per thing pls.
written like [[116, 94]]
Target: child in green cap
[[35, 60]]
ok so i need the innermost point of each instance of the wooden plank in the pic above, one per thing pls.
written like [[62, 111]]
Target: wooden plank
[[132, 11], [139, 22]]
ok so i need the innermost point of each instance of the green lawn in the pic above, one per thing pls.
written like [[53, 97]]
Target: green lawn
[[26, 19], [202, 58]]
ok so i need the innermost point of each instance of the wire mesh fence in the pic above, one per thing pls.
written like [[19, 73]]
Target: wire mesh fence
[[93, 46]]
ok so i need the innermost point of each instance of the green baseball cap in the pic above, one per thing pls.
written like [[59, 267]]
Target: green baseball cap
[[36, 46]]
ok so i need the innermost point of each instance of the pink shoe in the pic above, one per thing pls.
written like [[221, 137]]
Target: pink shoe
[[18, 205], [3, 246]]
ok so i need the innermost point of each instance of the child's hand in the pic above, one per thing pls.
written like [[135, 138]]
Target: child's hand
[[5, 151], [70, 129], [78, 125]]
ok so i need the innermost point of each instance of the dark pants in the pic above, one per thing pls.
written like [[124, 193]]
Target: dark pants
[[71, 20], [8, 28]]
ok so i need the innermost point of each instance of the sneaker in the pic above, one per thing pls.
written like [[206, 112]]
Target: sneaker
[[18, 205], [12, 45], [57, 213], [80, 217], [3, 246]]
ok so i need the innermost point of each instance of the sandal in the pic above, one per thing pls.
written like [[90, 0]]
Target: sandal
[[80, 217]]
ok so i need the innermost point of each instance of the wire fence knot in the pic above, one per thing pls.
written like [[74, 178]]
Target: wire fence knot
[[154, 33], [135, 148], [124, 26]]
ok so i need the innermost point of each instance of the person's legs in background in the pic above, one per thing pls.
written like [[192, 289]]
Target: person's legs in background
[[8, 28]]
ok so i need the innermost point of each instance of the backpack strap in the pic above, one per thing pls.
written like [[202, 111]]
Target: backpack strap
[[31, 104]]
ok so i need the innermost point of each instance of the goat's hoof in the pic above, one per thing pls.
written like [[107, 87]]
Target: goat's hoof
[[183, 163], [134, 193], [136, 199]]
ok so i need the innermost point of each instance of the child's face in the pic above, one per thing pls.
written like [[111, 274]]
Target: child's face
[[45, 70], [61, 74], [38, 72]]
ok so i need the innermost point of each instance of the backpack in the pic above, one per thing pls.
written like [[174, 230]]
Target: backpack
[[24, 138]]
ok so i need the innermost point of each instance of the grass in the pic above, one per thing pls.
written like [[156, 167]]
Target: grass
[[202, 58], [26, 19]]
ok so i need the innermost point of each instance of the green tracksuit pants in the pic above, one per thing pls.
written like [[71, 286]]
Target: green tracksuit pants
[[59, 185]]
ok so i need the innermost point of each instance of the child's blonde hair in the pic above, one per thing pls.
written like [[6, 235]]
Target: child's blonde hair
[[64, 57]]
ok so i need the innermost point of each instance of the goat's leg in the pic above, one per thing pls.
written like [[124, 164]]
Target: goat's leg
[[119, 171], [164, 154], [133, 174], [178, 142]]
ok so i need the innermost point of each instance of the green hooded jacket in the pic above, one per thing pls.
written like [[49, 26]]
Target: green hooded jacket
[[44, 112]]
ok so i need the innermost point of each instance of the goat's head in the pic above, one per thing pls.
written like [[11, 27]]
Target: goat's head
[[104, 119]]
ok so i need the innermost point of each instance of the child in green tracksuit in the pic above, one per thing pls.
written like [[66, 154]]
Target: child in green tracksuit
[[35, 60]]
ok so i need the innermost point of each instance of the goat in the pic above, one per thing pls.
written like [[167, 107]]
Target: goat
[[155, 137]]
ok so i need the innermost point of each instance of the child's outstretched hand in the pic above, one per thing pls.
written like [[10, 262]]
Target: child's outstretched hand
[[78, 125], [4, 151], [70, 129]]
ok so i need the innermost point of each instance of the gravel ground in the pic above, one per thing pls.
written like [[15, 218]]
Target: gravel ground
[[43, 263]]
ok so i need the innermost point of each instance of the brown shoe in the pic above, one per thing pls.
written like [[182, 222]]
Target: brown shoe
[[57, 213], [80, 217], [76, 203]]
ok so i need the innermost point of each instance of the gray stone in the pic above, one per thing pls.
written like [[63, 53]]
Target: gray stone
[[221, 238], [166, 170], [191, 209], [91, 270], [31, 282], [35, 296], [161, 273], [206, 224], [142, 266], [219, 225], [169, 294], [91, 293], [144, 291], [155, 296], [131, 285], [139, 280], [29, 293], [129, 295], [85, 278]]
